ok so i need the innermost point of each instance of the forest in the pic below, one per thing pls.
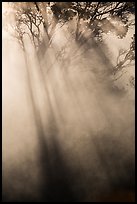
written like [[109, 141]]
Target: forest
[[68, 101]]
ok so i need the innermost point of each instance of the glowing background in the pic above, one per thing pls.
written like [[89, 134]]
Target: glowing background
[[80, 142]]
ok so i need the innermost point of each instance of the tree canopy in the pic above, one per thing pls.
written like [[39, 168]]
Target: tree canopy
[[96, 15], [40, 19]]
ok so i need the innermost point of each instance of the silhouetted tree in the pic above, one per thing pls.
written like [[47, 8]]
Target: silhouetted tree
[[96, 15], [124, 59], [40, 19]]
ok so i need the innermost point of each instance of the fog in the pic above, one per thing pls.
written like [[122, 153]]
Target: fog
[[68, 131]]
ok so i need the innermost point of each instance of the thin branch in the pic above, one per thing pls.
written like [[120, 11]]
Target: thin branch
[[113, 9], [119, 76]]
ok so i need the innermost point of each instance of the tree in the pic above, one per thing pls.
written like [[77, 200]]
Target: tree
[[39, 20], [125, 56], [124, 60], [96, 15]]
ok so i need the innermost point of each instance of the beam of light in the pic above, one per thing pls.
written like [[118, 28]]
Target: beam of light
[[64, 131]]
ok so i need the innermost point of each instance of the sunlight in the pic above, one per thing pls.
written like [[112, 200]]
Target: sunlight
[[65, 122]]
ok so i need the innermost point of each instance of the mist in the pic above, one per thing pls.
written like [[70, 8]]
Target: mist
[[68, 129]]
